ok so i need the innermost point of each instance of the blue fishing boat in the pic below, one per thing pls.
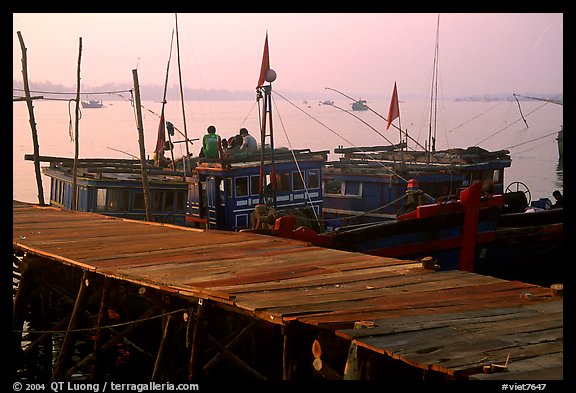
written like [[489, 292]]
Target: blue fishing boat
[[370, 184], [114, 187], [227, 194]]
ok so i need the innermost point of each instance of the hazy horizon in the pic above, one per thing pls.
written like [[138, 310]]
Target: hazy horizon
[[362, 54]]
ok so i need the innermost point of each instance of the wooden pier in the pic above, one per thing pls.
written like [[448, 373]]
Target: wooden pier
[[271, 307]]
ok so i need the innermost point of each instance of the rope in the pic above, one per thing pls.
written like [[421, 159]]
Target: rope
[[101, 327], [296, 162]]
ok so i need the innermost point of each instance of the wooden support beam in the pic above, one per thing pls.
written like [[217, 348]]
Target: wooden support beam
[[234, 358], [102, 320], [67, 344], [110, 343], [158, 371], [238, 336], [286, 353], [198, 337]]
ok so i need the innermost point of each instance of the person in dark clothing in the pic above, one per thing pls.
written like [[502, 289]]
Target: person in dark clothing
[[559, 200]]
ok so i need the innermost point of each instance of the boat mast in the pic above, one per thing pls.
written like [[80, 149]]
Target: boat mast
[[434, 98], [181, 91], [266, 75]]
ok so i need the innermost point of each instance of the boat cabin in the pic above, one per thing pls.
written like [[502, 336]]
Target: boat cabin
[[223, 195], [370, 184], [114, 187]]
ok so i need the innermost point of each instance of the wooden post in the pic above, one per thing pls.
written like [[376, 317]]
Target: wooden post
[[198, 337], [32, 122], [102, 320], [142, 148], [286, 354], [67, 344], [159, 363], [74, 204]]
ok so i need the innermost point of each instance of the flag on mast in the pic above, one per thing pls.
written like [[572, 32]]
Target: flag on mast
[[161, 141], [265, 63], [394, 110]]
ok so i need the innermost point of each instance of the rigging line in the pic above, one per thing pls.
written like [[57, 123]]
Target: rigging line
[[480, 114], [105, 326], [511, 124], [84, 93], [552, 100], [340, 136], [520, 109], [357, 117], [533, 140], [249, 112], [122, 151], [131, 100], [296, 161]]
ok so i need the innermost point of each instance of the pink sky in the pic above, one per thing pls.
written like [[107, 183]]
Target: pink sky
[[361, 54]]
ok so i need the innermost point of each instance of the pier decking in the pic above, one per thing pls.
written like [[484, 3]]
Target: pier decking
[[455, 323]]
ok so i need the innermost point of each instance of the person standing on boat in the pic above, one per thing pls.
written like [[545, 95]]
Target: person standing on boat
[[249, 142], [211, 144]]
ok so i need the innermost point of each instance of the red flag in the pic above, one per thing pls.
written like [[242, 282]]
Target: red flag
[[161, 136], [265, 63], [394, 110]]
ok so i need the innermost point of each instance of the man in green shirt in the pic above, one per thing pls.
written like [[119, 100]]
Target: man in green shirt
[[211, 144]]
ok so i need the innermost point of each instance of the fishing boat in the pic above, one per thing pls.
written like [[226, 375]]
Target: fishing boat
[[92, 104], [359, 105], [369, 184], [114, 187], [489, 234]]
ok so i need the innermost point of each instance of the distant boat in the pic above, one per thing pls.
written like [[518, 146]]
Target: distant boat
[[359, 105], [92, 104], [327, 102]]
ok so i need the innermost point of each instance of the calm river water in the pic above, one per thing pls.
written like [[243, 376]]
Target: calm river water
[[111, 132]]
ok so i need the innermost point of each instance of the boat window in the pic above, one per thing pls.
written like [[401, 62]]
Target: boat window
[[333, 186], [297, 183], [496, 176], [255, 185], [283, 181], [352, 188], [241, 186], [229, 186], [180, 196], [157, 201], [139, 203], [101, 199], [313, 179], [118, 200], [169, 204]]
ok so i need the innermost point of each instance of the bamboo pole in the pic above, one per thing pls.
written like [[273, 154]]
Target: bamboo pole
[[32, 121], [74, 204], [142, 148]]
